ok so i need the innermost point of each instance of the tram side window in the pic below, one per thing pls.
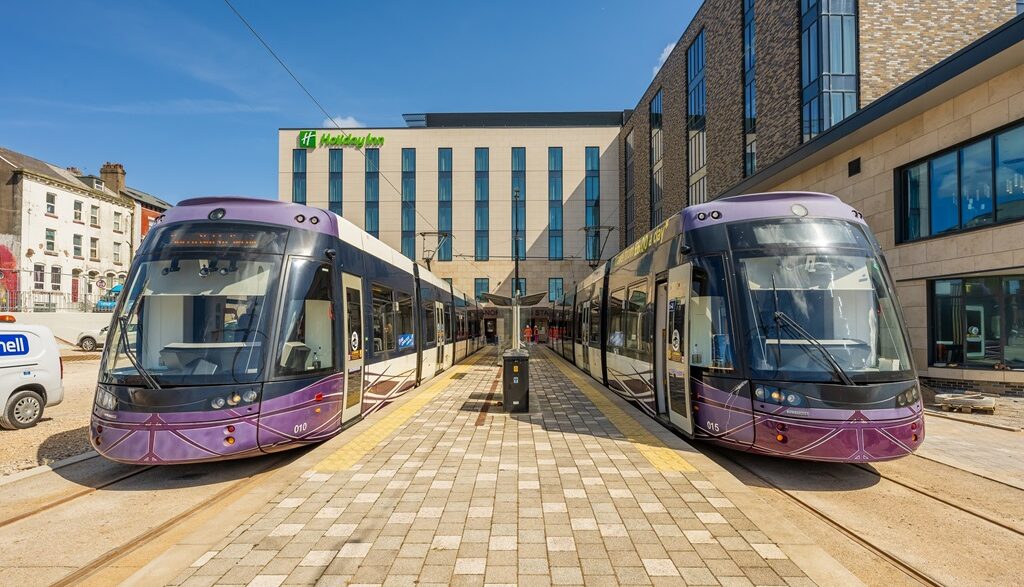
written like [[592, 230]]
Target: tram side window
[[307, 327], [355, 321], [448, 326], [429, 323], [404, 324], [710, 343], [383, 320], [616, 329], [633, 316]]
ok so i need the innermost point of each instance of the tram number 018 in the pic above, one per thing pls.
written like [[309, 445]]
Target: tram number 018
[[300, 428]]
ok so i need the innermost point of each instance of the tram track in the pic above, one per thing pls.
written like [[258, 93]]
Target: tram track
[[107, 559], [931, 495], [65, 499], [898, 562]]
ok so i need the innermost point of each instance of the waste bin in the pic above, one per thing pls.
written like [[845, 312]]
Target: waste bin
[[515, 381]]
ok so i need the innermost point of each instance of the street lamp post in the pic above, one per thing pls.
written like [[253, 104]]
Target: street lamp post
[[515, 280]]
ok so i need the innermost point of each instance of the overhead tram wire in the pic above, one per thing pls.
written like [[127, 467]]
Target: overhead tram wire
[[320, 106], [274, 54]]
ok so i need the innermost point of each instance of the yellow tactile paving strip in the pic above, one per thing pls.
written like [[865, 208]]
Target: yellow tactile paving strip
[[351, 452], [662, 457]]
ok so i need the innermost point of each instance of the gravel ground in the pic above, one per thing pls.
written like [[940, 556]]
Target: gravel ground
[[63, 431]]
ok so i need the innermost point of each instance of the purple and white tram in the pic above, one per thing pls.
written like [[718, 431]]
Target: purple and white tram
[[250, 326], [766, 323]]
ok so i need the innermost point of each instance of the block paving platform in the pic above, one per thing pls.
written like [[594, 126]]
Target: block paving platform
[[447, 489]]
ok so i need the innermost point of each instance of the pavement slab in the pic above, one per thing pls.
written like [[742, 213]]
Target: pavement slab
[[448, 489]]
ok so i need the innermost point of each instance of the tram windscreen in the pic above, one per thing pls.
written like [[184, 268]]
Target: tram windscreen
[[802, 302], [194, 317]]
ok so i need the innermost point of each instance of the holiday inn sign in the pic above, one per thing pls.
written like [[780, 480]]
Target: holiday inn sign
[[308, 140]]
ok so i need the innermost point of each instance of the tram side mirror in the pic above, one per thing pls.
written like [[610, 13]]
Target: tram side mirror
[[685, 249], [331, 254]]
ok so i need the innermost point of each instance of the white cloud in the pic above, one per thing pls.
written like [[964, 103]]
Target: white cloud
[[343, 122], [661, 60]]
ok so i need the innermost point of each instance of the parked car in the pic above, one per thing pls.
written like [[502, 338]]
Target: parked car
[[109, 301], [30, 373], [90, 340]]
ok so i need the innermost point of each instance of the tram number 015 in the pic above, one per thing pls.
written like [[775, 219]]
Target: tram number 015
[[300, 428], [712, 426]]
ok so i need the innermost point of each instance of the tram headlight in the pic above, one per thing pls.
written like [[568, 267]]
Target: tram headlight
[[233, 399], [106, 400], [794, 399], [217, 403], [759, 393], [250, 395]]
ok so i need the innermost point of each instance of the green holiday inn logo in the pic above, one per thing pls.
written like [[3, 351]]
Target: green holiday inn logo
[[308, 140]]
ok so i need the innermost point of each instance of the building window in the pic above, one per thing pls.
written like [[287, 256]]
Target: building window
[[481, 285], [973, 186], [51, 240], [117, 222], [555, 224], [117, 253], [656, 153], [38, 276], [593, 200], [696, 122], [554, 289], [51, 203], [828, 63], [749, 91], [373, 191], [299, 176], [1020, 6], [519, 205], [78, 211], [94, 216], [444, 203], [482, 204], [94, 249], [334, 162], [967, 318], [55, 278], [409, 203], [77, 245], [518, 286], [630, 189]]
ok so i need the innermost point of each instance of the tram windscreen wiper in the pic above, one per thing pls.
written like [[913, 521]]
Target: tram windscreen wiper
[[782, 317], [128, 352]]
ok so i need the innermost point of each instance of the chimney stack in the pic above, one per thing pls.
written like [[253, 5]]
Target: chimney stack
[[75, 171], [112, 175]]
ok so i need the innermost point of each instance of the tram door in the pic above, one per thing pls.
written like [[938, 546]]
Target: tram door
[[660, 344], [677, 362], [439, 327], [354, 344]]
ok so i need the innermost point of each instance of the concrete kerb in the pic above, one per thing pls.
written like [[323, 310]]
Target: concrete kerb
[[818, 564], [182, 554], [47, 468]]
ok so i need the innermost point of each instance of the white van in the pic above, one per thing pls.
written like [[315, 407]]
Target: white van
[[30, 373]]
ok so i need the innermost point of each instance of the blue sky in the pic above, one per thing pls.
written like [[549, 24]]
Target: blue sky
[[185, 97]]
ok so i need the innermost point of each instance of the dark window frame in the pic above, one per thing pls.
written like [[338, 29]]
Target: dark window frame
[[899, 191]]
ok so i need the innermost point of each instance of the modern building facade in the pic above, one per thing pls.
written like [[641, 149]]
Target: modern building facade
[[457, 189], [913, 112], [937, 168], [65, 237], [750, 81]]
